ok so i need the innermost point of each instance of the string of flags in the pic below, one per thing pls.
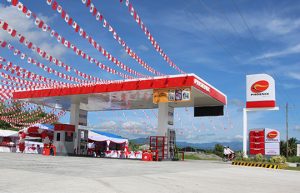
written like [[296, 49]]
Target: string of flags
[[51, 117], [103, 22], [50, 70], [12, 82], [54, 34], [23, 118], [22, 113], [21, 83], [12, 108], [45, 55], [23, 79], [146, 31], [82, 33], [24, 73]]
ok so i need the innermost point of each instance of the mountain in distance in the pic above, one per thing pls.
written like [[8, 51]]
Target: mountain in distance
[[234, 145]]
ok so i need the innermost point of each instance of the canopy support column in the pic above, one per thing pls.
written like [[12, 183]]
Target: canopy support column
[[74, 120], [165, 125], [162, 119]]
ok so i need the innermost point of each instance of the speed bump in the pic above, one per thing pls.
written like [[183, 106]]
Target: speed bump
[[255, 164]]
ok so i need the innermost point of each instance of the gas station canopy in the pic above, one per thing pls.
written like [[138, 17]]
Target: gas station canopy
[[127, 94]]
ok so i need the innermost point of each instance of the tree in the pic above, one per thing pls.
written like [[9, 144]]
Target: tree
[[133, 146], [292, 148], [219, 150]]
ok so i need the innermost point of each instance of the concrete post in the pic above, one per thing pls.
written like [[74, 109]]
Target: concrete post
[[245, 132], [165, 122], [162, 127], [74, 120]]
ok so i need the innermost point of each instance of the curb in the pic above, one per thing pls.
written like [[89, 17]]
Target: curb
[[254, 164]]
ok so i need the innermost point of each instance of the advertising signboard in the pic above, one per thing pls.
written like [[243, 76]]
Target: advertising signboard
[[272, 145], [265, 141], [171, 95], [272, 142], [260, 91], [272, 135], [272, 151]]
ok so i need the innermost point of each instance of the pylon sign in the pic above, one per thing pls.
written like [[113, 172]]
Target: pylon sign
[[260, 91]]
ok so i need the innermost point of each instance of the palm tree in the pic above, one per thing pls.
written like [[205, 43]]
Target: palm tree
[[292, 148]]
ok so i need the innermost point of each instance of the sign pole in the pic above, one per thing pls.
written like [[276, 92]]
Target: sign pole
[[287, 128], [245, 132]]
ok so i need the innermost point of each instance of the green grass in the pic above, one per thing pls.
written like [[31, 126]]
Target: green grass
[[292, 168], [294, 159], [195, 157]]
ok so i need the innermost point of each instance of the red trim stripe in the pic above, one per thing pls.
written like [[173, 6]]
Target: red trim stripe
[[260, 104]]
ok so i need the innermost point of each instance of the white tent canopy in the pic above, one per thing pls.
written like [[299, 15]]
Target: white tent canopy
[[103, 136], [8, 133]]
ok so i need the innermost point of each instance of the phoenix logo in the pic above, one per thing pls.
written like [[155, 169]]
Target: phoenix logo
[[260, 86], [272, 134]]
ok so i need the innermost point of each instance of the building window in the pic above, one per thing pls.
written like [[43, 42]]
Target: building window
[[58, 137], [68, 136]]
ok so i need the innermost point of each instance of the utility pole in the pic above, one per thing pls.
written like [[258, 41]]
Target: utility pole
[[287, 128]]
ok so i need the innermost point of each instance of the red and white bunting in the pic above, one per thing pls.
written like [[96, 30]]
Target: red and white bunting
[[22, 39], [20, 86], [12, 108], [154, 43], [21, 113], [21, 72], [99, 17], [50, 70], [22, 118], [18, 82], [81, 32], [74, 48], [51, 117]]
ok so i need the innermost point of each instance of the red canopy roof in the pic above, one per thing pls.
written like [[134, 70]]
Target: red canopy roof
[[105, 96]]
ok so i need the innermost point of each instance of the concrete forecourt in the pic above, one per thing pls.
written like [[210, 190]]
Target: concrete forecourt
[[24, 173]]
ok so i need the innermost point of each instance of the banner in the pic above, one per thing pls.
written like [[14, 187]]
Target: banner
[[260, 91]]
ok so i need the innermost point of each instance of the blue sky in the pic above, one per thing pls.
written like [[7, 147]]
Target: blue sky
[[220, 41]]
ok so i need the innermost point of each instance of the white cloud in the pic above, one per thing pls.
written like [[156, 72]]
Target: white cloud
[[236, 102], [143, 48], [131, 125], [27, 27], [264, 25], [56, 50], [238, 138], [23, 25], [290, 85], [297, 127], [124, 55], [287, 51], [109, 124], [283, 25], [294, 75]]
